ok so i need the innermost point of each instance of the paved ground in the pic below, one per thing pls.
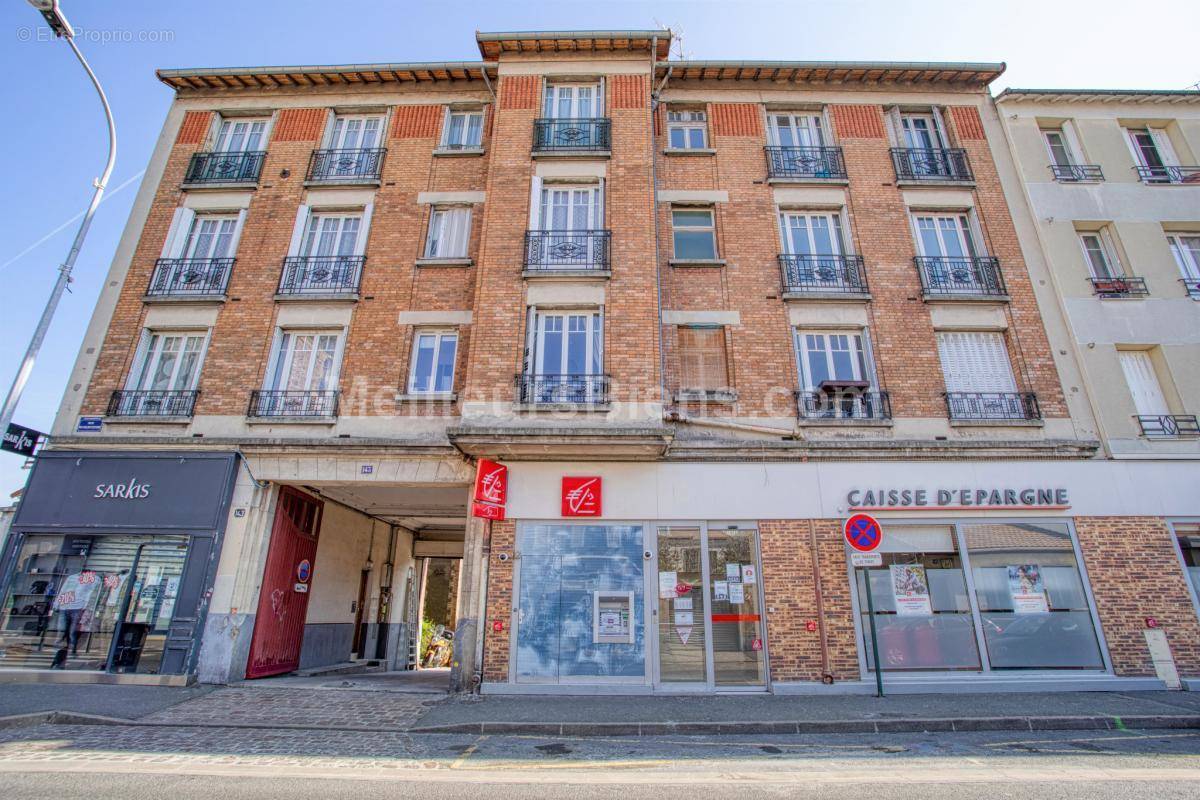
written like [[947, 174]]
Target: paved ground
[[421, 681], [125, 702], [183, 763]]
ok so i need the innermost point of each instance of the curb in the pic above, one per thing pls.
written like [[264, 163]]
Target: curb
[[916, 725]]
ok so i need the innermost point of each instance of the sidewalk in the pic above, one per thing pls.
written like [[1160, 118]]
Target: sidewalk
[[356, 707]]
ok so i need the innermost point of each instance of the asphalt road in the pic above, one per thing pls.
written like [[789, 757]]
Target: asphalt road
[[64, 762]]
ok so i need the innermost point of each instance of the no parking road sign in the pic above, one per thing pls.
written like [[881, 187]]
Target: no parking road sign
[[863, 533]]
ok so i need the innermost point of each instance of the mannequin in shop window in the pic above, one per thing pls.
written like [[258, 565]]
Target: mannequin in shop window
[[74, 606]]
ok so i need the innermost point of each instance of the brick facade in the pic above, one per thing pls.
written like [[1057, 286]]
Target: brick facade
[[496, 643]]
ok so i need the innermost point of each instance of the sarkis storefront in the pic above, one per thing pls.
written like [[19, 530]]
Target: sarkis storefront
[[111, 561]]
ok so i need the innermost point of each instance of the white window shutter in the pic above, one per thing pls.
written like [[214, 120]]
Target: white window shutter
[[237, 233], [139, 358], [1147, 393], [1071, 136], [177, 235], [364, 230], [535, 204], [975, 362], [1163, 143], [531, 323], [940, 125], [302, 214]]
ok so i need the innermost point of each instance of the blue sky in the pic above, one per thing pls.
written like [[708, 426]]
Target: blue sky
[[54, 143]]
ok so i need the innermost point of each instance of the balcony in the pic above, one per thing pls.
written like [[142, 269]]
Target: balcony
[[819, 276], [336, 276], [553, 252], [177, 404], [1192, 287], [938, 165], [294, 404], [346, 166], [219, 167], [844, 404], [1120, 287], [986, 406], [1077, 173], [1187, 175], [975, 277], [190, 278], [805, 163], [560, 390], [567, 136], [1169, 426]]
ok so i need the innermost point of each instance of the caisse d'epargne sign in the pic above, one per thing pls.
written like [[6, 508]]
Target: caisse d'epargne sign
[[955, 499]]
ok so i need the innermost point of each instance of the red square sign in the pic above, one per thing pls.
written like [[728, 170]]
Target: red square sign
[[491, 483], [580, 496]]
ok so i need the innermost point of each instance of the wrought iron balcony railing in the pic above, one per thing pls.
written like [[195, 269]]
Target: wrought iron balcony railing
[[975, 276], [1121, 286], [567, 135], [1169, 426], [1077, 173], [292, 403], [810, 274], [346, 166], [583, 251], [321, 274], [844, 405], [936, 164], [805, 162], [152, 403], [190, 277], [580, 390], [1192, 287], [1189, 174], [236, 166], [992, 405]]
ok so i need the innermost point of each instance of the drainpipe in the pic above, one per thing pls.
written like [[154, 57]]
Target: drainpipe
[[662, 356], [707, 422], [826, 677]]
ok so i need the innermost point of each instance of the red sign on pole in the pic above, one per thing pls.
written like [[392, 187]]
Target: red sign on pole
[[580, 496], [487, 510], [863, 533], [491, 483]]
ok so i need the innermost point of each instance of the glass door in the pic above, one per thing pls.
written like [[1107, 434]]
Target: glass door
[[709, 624]]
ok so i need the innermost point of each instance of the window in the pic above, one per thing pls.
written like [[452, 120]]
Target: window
[[694, 234], [564, 358], [211, 236], [572, 101], [169, 361], [1060, 151], [945, 236], [433, 362], [240, 135], [571, 208], [1188, 537], [975, 362], [305, 361], [463, 130], [1101, 255], [922, 132], [796, 130], [358, 132], [1032, 603], [1142, 378], [811, 234], [449, 232], [331, 235], [836, 356], [687, 130], [702, 363], [1185, 247]]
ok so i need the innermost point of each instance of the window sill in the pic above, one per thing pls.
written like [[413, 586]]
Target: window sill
[[962, 183], [690, 151], [697, 262], [567, 274], [445, 262], [223, 186], [464, 152], [324, 297], [828, 297], [183, 298], [571, 154], [328, 421], [838, 181], [428, 397], [723, 396], [997, 423]]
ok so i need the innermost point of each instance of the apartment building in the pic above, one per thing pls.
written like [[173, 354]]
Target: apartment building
[[632, 338]]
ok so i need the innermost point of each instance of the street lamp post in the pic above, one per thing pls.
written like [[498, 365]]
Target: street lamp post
[[58, 23]]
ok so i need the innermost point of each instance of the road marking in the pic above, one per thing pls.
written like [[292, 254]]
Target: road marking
[[467, 752]]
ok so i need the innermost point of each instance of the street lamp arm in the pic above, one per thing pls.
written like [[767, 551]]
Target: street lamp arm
[[108, 116]]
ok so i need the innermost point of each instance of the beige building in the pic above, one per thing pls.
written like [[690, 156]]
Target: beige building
[[1111, 181]]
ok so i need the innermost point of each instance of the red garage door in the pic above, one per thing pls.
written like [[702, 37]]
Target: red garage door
[[283, 599]]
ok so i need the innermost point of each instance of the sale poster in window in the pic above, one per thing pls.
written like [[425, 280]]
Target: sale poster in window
[[1027, 589], [910, 588]]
